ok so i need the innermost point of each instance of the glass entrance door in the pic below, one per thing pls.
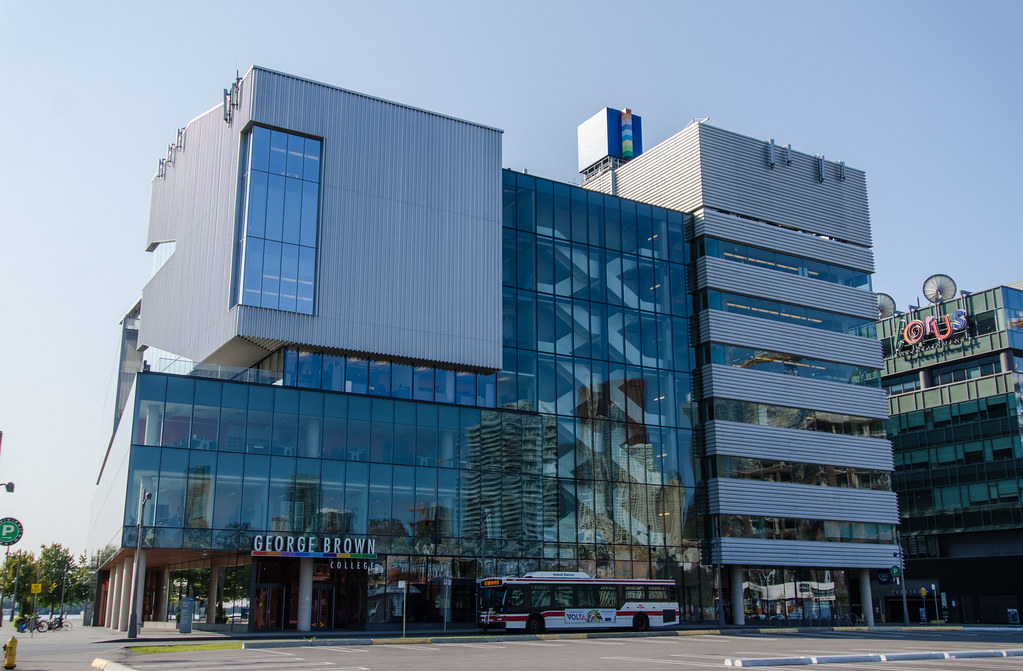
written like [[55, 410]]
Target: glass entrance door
[[268, 607], [323, 607]]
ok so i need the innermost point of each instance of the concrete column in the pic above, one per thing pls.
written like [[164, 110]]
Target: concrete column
[[114, 597], [735, 577], [162, 596], [122, 622], [136, 598], [305, 593], [866, 598], [211, 603]]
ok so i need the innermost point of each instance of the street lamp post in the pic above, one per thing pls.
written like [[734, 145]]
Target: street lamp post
[[133, 624], [483, 540], [9, 487], [902, 578]]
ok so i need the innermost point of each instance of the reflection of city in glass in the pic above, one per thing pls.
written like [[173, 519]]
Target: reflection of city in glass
[[577, 455]]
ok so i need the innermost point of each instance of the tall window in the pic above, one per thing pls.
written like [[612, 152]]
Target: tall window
[[277, 241]]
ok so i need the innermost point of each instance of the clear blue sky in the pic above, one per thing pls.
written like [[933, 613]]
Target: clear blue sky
[[923, 96]]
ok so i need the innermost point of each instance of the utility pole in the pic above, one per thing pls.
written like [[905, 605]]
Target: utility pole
[[902, 577], [483, 540], [17, 576], [3, 585], [63, 585]]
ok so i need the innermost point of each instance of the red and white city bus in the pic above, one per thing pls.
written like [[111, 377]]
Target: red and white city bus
[[546, 600]]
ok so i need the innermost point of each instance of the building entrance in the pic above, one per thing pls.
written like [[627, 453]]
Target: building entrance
[[323, 607], [338, 593], [268, 607]]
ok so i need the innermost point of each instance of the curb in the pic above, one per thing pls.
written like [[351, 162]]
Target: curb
[[107, 665], [886, 657]]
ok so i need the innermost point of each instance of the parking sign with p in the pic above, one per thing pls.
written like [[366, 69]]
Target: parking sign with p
[[10, 531]]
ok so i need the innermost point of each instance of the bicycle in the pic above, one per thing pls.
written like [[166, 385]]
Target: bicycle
[[55, 624]]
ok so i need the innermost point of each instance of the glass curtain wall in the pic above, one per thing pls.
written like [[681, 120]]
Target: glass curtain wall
[[584, 461]]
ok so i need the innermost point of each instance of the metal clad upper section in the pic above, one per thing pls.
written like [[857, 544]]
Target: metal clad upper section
[[185, 305], [809, 447], [409, 248], [745, 331], [737, 178], [704, 166], [667, 175], [758, 234], [759, 386]]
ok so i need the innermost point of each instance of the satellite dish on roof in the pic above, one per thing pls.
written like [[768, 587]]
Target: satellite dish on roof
[[885, 306], [939, 288]]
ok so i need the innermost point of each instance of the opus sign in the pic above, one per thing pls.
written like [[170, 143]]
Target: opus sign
[[931, 331], [272, 545]]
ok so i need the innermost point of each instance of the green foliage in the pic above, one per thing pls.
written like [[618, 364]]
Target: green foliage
[[22, 568]]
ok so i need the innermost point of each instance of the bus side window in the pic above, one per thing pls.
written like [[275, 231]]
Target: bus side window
[[635, 593], [563, 596], [657, 593], [673, 594], [608, 596], [516, 599], [585, 596], [541, 596]]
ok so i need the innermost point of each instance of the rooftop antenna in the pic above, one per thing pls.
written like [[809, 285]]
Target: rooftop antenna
[[939, 287], [885, 306]]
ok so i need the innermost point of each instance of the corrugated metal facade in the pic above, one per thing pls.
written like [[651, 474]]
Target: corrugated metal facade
[[791, 391], [743, 330], [739, 278], [747, 231], [786, 499], [774, 442], [803, 553], [409, 248], [727, 181]]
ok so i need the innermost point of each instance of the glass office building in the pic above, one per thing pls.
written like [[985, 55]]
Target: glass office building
[[954, 392], [419, 368]]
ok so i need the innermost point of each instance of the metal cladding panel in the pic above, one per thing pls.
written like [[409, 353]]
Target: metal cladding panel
[[714, 224], [737, 178], [759, 386], [760, 552], [785, 499], [740, 278], [667, 175], [409, 246], [409, 258], [704, 166], [745, 331], [186, 304], [809, 447]]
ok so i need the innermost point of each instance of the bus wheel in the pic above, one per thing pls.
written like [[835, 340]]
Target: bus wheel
[[534, 625], [641, 622]]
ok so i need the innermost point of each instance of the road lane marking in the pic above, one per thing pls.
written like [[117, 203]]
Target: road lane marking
[[661, 661], [599, 642], [337, 648], [235, 665]]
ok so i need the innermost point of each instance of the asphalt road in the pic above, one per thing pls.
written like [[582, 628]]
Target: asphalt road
[[604, 654]]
